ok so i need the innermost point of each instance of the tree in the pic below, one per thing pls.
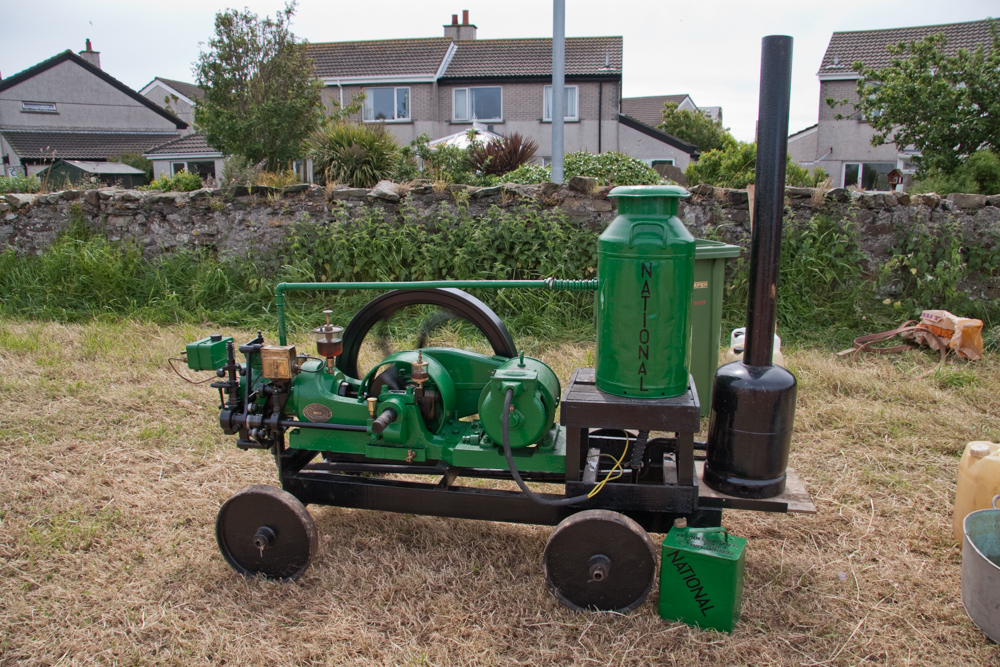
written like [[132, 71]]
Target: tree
[[946, 106], [261, 99], [694, 127]]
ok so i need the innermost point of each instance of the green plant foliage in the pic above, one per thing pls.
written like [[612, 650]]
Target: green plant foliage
[[609, 168], [499, 245], [277, 179], [238, 171], [947, 106], [135, 160], [528, 174], [358, 154], [978, 174], [695, 128], [735, 167], [182, 181], [445, 163], [503, 155], [261, 99], [18, 183]]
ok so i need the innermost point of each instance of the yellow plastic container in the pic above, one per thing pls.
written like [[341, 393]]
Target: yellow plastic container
[[978, 482]]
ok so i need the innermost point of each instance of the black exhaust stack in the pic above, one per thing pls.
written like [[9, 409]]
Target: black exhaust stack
[[753, 401]]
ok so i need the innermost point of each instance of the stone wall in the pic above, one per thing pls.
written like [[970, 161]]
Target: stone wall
[[256, 219]]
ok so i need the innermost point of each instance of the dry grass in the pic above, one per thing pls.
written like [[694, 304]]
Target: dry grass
[[113, 471]]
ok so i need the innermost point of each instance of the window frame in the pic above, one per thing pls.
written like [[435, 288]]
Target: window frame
[[859, 183], [37, 107], [468, 105], [395, 91], [546, 94]]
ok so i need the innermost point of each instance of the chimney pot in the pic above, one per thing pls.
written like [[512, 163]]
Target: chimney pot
[[465, 17], [88, 45], [454, 19]]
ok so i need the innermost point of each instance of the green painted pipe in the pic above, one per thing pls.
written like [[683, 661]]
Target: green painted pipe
[[547, 283]]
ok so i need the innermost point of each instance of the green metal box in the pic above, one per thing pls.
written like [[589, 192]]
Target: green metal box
[[706, 313], [207, 354], [701, 577]]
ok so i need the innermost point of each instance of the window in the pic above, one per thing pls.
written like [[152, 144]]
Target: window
[[667, 161], [387, 104], [38, 107], [868, 175], [572, 99], [203, 169], [470, 104]]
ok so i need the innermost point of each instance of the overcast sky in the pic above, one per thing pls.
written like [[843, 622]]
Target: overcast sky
[[709, 50]]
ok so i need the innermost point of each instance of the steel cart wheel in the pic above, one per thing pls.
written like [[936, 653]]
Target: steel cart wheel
[[265, 530], [600, 560]]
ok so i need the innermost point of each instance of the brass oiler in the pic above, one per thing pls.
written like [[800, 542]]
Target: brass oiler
[[329, 341], [418, 369]]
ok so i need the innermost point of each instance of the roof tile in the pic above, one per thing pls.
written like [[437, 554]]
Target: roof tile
[[404, 57], [81, 145], [192, 143], [648, 110], [869, 46], [533, 57]]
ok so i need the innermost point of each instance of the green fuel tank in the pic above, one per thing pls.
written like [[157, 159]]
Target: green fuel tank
[[645, 276]]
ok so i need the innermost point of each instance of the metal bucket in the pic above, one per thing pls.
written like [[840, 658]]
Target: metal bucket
[[981, 569]]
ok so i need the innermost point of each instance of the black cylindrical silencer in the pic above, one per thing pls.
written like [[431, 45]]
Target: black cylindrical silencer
[[753, 402]]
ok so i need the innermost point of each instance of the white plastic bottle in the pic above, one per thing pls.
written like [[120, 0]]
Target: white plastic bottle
[[735, 351]]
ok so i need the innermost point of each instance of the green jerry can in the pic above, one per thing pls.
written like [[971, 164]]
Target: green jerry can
[[645, 272], [701, 577]]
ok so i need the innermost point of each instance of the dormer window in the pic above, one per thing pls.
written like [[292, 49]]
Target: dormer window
[[38, 107]]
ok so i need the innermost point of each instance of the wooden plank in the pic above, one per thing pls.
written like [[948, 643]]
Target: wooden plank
[[794, 498]]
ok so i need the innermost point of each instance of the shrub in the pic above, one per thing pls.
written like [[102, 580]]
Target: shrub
[[182, 181], [18, 183], [609, 168], [358, 154], [449, 164], [735, 165], [979, 174], [528, 174], [277, 179], [238, 171], [135, 160], [504, 154]]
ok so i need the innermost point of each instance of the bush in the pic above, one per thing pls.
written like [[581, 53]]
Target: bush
[[528, 174], [182, 181], [504, 154], [735, 167], [18, 183], [609, 168], [238, 171], [135, 160], [449, 164], [979, 174], [358, 154], [277, 179]]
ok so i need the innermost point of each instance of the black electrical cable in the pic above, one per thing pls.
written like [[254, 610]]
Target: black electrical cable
[[505, 422]]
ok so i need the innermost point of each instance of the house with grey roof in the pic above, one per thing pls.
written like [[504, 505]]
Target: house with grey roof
[[177, 97], [67, 107], [190, 153], [441, 85], [843, 147]]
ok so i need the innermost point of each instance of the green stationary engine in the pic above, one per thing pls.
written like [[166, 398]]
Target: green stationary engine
[[348, 438]]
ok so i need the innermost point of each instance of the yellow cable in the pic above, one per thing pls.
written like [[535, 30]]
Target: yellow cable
[[617, 466]]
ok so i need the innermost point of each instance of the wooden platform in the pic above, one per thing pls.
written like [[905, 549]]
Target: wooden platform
[[794, 499]]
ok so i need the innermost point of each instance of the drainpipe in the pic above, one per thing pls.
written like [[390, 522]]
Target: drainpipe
[[600, 110], [558, 87]]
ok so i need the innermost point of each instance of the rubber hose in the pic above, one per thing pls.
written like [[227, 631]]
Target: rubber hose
[[505, 422]]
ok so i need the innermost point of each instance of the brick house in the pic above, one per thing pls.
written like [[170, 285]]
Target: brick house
[[843, 147], [68, 108], [440, 85]]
